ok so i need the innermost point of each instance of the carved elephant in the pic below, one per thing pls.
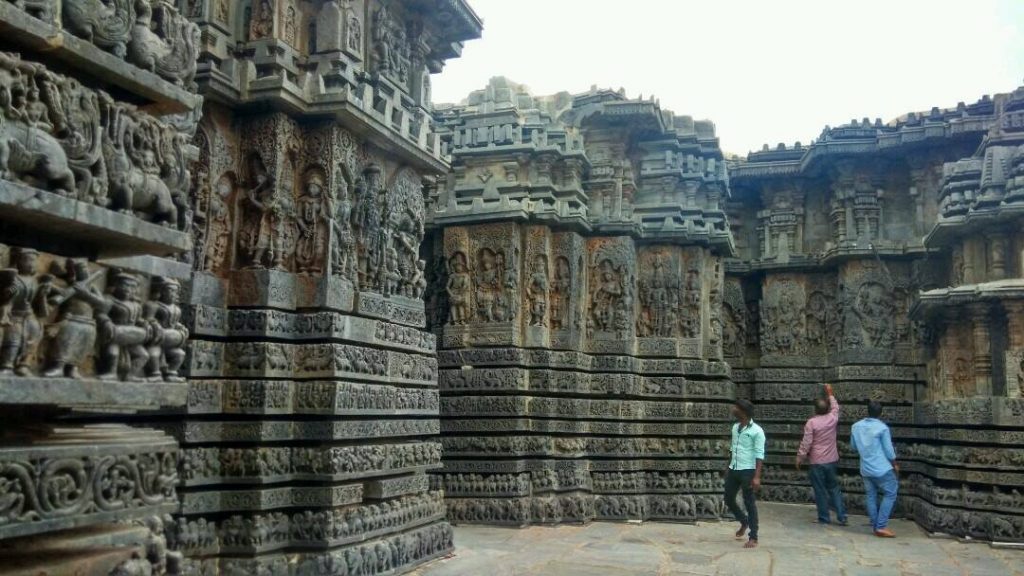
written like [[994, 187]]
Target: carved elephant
[[28, 153]]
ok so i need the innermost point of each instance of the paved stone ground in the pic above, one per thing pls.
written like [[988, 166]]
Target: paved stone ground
[[791, 545]]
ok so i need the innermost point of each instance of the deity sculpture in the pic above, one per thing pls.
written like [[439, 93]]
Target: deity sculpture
[[75, 335], [218, 221], [537, 292], [167, 347], [311, 215], [25, 298], [458, 288], [123, 331], [343, 245], [419, 280], [606, 298], [264, 236], [560, 294]]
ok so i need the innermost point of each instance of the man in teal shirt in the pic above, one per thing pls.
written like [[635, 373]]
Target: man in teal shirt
[[744, 471], [873, 441]]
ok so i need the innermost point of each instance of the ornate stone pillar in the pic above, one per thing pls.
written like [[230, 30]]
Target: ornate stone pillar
[[982, 340]]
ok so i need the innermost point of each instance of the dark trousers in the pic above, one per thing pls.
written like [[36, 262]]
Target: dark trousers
[[735, 480], [826, 492]]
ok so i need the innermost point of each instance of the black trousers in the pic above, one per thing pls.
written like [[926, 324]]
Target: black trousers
[[736, 480]]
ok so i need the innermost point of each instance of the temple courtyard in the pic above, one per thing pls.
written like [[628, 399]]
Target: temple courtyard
[[791, 545]]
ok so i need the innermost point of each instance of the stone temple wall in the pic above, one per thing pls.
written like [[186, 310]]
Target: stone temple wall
[[580, 336], [92, 182], [842, 277], [312, 415]]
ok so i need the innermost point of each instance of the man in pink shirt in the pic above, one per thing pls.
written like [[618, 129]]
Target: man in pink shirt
[[819, 448]]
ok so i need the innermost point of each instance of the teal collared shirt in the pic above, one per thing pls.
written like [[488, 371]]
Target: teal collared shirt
[[747, 446]]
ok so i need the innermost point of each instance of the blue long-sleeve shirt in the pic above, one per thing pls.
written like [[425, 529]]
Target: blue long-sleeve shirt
[[873, 441]]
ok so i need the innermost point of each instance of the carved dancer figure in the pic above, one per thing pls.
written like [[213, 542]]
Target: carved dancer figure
[[458, 288], [311, 213], [537, 292], [263, 239], [123, 331], [75, 328], [219, 223], [26, 299], [343, 246], [167, 347]]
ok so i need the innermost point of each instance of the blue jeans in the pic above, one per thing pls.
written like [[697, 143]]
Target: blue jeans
[[888, 485], [826, 492], [735, 481]]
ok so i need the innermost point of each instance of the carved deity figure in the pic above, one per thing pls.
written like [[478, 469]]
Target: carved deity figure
[[75, 329], [537, 292], [167, 347], [870, 317], [264, 237], [408, 234], [343, 244], [123, 331], [458, 289], [560, 294], [366, 220], [311, 217], [419, 280], [23, 297], [262, 24], [488, 285], [607, 298], [218, 221]]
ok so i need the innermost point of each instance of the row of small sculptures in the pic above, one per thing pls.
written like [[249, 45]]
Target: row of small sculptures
[[60, 136], [150, 34], [130, 339]]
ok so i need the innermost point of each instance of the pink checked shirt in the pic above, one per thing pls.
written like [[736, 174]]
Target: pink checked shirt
[[819, 443]]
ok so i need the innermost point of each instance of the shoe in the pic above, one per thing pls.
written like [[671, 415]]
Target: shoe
[[841, 523], [885, 533], [742, 530], [752, 543]]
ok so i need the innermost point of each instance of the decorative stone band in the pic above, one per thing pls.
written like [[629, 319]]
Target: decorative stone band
[[562, 381], [583, 508], [326, 325], [83, 142], [574, 426], [261, 499], [263, 431], [308, 361], [537, 407], [313, 397], [82, 476], [388, 555], [572, 360], [310, 528], [268, 465]]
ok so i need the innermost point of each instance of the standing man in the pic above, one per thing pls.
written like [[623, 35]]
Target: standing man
[[819, 447], [873, 441], [744, 471]]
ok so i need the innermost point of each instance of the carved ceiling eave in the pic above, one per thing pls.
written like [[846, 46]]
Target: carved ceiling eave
[[936, 304], [951, 229], [812, 158]]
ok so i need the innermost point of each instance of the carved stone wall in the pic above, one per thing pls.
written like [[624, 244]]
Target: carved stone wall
[[861, 303], [93, 196], [580, 363], [312, 415]]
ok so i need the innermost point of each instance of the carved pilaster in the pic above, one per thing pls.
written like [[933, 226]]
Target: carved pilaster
[[981, 335]]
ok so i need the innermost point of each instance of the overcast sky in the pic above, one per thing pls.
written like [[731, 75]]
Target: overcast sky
[[762, 71]]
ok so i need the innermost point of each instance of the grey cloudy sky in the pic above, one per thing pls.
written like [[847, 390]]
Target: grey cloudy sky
[[763, 71]]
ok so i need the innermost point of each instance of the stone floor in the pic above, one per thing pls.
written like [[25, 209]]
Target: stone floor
[[791, 545]]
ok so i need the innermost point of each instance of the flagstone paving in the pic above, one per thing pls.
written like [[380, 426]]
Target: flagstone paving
[[791, 545]]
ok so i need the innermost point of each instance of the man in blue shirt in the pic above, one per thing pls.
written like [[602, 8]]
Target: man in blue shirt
[[873, 441], [744, 470]]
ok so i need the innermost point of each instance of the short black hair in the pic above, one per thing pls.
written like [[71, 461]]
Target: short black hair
[[821, 406], [746, 407], [874, 409]]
